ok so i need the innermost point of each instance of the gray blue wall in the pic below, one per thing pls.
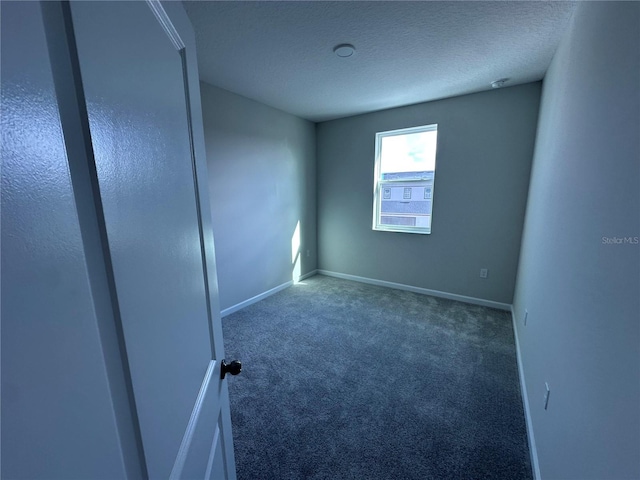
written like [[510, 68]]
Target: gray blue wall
[[485, 146], [262, 182], [582, 294]]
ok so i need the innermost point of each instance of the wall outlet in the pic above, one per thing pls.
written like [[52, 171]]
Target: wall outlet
[[546, 395], [308, 253], [484, 273], [526, 315]]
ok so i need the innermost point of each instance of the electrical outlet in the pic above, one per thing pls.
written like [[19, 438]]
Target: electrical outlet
[[546, 395], [526, 315], [308, 253], [484, 273]]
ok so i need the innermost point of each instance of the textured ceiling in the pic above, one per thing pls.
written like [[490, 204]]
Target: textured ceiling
[[281, 52]]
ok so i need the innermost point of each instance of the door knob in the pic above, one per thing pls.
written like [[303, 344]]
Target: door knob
[[233, 368]]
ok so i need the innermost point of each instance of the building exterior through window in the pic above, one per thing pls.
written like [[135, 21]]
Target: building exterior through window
[[405, 167]]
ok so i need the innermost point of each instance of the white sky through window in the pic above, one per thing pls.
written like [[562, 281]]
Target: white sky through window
[[413, 152]]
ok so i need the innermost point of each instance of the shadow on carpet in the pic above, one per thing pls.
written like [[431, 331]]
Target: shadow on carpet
[[343, 380]]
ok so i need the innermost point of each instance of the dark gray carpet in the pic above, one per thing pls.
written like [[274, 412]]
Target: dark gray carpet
[[343, 380]]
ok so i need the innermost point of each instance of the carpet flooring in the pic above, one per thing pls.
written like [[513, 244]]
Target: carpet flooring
[[343, 380]]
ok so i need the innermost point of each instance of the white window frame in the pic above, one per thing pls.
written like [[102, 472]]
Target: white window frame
[[378, 183]]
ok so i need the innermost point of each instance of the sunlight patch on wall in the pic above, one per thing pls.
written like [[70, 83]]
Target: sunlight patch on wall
[[295, 254]]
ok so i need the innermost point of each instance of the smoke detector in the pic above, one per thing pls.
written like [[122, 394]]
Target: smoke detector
[[344, 50]]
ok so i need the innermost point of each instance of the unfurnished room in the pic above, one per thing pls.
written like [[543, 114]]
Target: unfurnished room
[[320, 240]]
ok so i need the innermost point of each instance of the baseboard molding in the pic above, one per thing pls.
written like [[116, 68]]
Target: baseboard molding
[[535, 466], [424, 291], [308, 275], [257, 298]]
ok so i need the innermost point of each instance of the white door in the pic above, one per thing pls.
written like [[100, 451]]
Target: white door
[[127, 92]]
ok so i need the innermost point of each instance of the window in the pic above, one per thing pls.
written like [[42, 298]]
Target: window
[[403, 179]]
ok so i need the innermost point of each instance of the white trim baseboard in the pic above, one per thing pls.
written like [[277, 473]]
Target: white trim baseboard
[[533, 452], [257, 298], [424, 291], [308, 275], [263, 295]]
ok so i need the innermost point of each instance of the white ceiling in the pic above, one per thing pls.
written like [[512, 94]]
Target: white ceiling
[[280, 53]]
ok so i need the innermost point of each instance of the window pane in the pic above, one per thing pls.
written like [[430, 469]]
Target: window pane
[[403, 191], [413, 152]]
